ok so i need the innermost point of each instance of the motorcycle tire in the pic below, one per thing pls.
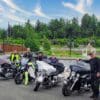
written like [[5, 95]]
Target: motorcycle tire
[[18, 79], [37, 86], [66, 90]]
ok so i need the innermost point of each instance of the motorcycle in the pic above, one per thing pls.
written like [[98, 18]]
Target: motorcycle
[[47, 76], [6, 71], [77, 78], [25, 68]]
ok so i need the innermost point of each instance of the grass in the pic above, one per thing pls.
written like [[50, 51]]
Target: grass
[[63, 53]]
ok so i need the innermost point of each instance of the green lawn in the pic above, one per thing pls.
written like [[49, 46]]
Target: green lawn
[[60, 52]]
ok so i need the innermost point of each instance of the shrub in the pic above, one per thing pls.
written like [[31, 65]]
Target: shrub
[[32, 44], [46, 44]]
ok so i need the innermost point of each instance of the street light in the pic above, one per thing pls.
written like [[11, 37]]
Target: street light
[[70, 40]]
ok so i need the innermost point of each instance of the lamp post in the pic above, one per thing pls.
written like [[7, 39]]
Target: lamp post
[[4, 35], [70, 40]]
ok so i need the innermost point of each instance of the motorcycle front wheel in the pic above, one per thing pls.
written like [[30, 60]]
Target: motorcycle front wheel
[[18, 78], [37, 86], [66, 90]]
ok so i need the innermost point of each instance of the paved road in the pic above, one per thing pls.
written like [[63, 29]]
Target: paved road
[[10, 91]]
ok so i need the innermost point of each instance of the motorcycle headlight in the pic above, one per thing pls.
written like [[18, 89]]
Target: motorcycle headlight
[[73, 73], [67, 72], [78, 75]]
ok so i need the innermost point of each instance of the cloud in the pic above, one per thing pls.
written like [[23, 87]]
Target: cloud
[[89, 2], [80, 6], [12, 5], [1, 9], [16, 18], [1, 21], [38, 12], [12, 11]]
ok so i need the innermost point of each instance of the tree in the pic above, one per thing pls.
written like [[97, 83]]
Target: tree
[[57, 28], [85, 25], [42, 29], [46, 44], [18, 32], [2, 33], [32, 44]]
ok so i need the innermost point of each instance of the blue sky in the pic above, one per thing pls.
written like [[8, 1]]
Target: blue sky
[[18, 11]]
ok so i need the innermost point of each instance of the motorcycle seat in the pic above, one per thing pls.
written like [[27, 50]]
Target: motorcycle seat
[[54, 73]]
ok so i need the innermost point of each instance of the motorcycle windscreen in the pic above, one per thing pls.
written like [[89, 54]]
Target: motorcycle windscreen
[[24, 61], [44, 66]]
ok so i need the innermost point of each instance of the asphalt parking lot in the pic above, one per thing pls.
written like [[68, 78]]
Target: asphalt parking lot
[[10, 91]]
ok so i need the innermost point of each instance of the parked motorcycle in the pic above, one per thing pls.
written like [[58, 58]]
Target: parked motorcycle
[[77, 78], [25, 68], [47, 75], [6, 71]]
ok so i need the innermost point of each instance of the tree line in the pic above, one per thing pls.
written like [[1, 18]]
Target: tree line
[[57, 31]]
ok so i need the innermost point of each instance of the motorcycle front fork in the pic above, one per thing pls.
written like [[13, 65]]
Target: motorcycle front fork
[[73, 84]]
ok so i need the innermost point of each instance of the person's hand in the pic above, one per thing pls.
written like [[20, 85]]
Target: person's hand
[[98, 74]]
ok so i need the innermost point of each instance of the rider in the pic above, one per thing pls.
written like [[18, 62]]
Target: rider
[[15, 57], [40, 56], [53, 59], [27, 72], [55, 62], [28, 54]]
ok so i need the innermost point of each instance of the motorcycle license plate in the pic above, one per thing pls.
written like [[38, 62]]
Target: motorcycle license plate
[[40, 79]]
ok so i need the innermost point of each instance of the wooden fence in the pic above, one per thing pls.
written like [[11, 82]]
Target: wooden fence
[[11, 48]]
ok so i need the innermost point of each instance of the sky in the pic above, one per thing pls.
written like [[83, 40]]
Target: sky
[[19, 11]]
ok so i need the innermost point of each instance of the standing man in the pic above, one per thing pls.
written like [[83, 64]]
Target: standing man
[[95, 74]]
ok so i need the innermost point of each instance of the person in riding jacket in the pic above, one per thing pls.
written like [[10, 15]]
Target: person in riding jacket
[[95, 74], [55, 62], [15, 57], [28, 54], [53, 59], [29, 71]]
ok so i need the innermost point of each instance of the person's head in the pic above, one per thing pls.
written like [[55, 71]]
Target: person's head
[[40, 54], [53, 55], [91, 55], [15, 51], [28, 50]]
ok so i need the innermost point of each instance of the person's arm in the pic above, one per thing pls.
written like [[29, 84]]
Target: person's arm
[[86, 61], [57, 60], [98, 67]]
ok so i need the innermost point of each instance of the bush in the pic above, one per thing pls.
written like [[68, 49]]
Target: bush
[[97, 42], [61, 42], [46, 44], [32, 44]]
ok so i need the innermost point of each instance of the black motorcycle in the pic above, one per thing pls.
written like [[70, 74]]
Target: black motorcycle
[[7, 71], [77, 80]]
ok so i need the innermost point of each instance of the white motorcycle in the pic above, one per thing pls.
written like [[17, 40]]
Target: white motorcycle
[[47, 76]]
